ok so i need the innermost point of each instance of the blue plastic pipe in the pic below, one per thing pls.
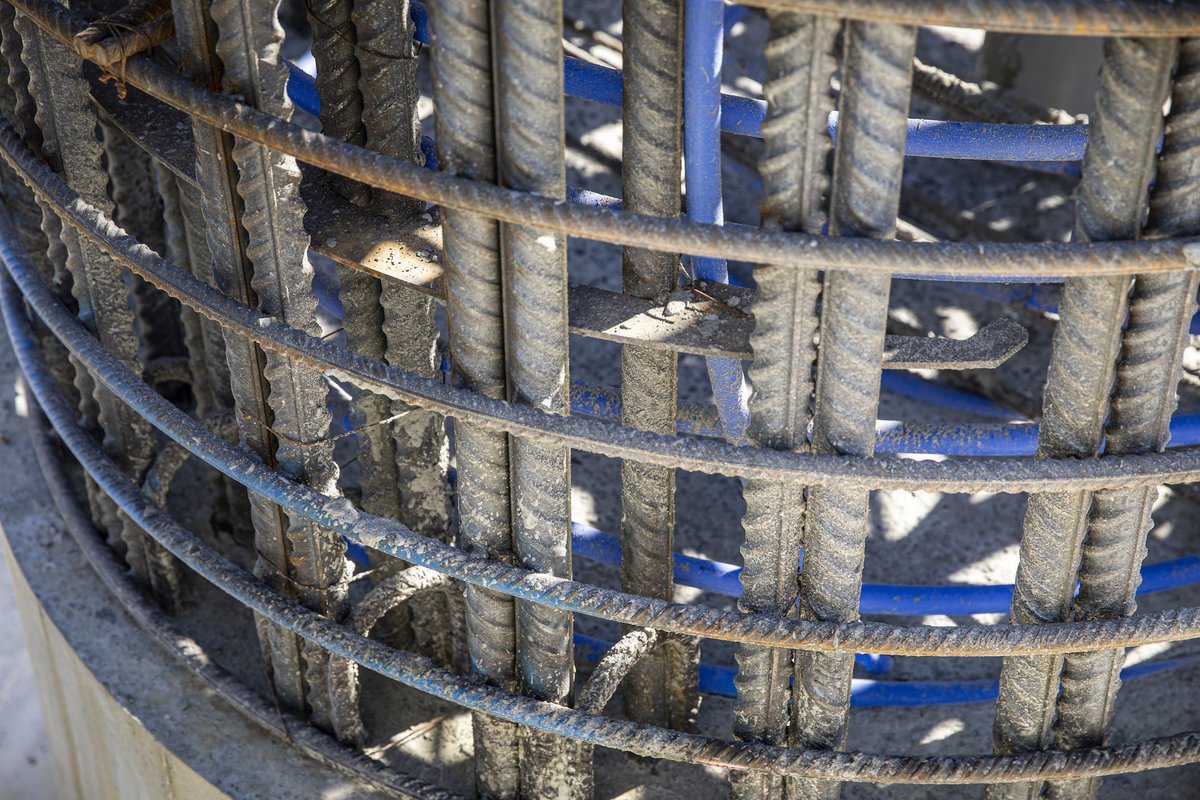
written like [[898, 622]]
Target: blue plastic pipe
[[704, 41], [894, 437], [1024, 144], [878, 599], [907, 384], [864, 693]]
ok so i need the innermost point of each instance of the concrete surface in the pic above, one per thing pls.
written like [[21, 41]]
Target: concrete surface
[[26, 769]]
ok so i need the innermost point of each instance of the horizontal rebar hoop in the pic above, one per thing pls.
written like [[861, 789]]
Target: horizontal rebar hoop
[[639, 739], [534, 224]]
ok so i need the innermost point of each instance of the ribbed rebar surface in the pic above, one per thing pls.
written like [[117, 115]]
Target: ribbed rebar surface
[[369, 365]]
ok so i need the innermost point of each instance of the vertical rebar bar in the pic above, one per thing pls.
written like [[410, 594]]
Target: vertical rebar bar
[[527, 52], [389, 88], [200, 262], [463, 96], [794, 167], [337, 80], [256, 239], [662, 687], [28, 212], [75, 379], [67, 126], [1110, 204], [336, 53], [175, 244], [249, 38], [1144, 398], [864, 199], [138, 208], [234, 513], [218, 200]]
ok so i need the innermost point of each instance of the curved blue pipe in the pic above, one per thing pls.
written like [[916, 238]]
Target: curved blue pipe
[[893, 437], [915, 387], [877, 599], [865, 693], [744, 115], [977, 141]]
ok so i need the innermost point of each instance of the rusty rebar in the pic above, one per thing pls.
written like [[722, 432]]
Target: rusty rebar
[[67, 129], [1009, 475], [603, 223], [522, 304], [864, 198], [418, 672], [335, 52], [395, 316], [258, 248]]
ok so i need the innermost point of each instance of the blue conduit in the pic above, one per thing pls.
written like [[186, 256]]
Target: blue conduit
[[879, 599], [1026, 144], [704, 41], [1029, 295], [733, 15], [707, 113], [864, 693], [895, 437], [914, 387]]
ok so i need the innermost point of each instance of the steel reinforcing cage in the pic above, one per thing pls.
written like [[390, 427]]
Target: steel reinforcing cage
[[171, 122]]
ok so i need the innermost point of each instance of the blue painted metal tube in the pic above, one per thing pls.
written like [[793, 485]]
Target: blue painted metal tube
[[302, 89], [704, 40], [896, 437], [926, 138], [1016, 439], [915, 387], [977, 141], [1025, 144], [865, 693], [878, 599], [734, 14]]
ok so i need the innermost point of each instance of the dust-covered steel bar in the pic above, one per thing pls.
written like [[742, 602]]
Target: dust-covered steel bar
[[402, 320], [527, 41], [1111, 202], [463, 94], [795, 170], [68, 139], [864, 199], [1148, 371], [233, 221], [416, 671], [336, 53], [661, 686], [389, 88], [253, 213]]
